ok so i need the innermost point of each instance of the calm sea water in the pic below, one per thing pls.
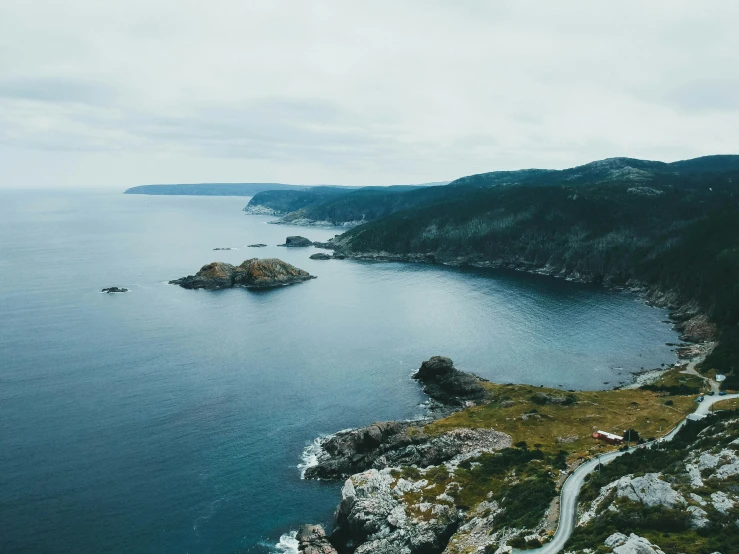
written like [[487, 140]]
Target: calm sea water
[[168, 420]]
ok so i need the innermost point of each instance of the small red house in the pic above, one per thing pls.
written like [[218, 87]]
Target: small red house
[[610, 438]]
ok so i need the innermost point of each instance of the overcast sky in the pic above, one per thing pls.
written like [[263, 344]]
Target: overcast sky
[[120, 93]]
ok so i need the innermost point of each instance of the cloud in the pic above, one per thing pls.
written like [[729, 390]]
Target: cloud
[[49, 89], [354, 93]]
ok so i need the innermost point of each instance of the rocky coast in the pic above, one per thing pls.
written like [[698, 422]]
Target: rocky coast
[[374, 514], [463, 481]]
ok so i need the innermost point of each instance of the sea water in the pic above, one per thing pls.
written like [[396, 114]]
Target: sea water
[[173, 420]]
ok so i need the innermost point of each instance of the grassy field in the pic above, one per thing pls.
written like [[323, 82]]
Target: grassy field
[[732, 404], [558, 426], [674, 378]]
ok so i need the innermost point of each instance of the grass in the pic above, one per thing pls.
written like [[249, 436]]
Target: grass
[[556, 427], [674, 378], [730, 404]]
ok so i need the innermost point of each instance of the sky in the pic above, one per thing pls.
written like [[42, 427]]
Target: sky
[[121, 93]]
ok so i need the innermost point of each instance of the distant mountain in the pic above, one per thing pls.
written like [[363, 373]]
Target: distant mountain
[[243, 189], [338, 206], [213, 189]]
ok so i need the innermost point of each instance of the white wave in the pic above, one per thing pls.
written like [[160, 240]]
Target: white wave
[[288, 543], [311, 455]]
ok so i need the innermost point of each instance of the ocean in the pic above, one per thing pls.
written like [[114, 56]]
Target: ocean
[[172, 420]]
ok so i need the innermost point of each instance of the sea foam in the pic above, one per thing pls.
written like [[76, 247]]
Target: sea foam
[[288, 544]]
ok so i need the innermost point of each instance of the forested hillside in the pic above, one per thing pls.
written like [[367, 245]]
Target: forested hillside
[[674, 226]]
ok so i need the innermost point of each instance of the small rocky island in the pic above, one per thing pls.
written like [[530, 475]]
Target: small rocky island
[[253, 273], [296, 242], [111, 290]]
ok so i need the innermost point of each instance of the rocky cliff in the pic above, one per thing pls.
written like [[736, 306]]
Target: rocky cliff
[[253, 273]]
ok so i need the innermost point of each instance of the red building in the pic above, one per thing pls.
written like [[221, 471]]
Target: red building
[[610, 438]]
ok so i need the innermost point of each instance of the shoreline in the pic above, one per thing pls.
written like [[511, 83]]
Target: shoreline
[[685, 318]]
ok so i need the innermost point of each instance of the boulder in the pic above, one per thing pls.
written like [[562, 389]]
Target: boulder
[[320, 256], [110, 290], [296, 241], [253, 273], [312, 540], [260, 245]]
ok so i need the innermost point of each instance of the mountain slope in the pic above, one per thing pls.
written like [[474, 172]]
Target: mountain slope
[[338, 206], [674, 227]]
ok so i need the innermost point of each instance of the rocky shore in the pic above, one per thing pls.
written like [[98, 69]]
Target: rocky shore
[[687, 316], [389, 467], [372, 514], [253, 273]]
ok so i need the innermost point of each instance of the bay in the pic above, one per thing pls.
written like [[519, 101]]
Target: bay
[[169, 420]]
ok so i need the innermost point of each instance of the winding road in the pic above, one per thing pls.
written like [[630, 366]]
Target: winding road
[[573, 484]]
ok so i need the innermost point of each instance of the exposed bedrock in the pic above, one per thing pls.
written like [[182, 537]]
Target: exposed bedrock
[[397, 443], [448, 385], [312, 540], [297, 241], [253, 273]]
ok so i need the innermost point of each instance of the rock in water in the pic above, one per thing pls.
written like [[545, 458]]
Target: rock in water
[[320, 256], [312, 540], [448, 385], [253, 273], [260, 245], [296, 241], [114, 289]]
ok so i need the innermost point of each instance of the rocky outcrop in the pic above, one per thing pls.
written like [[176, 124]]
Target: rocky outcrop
[[633, 544], [398, 443], [260, 245], [226, 248], [328, 245], [394, 444], [649, 490], [312, 540], [296, 242], [253, 273], [448, 385], [320, 256], [111, 290], [372, 514]]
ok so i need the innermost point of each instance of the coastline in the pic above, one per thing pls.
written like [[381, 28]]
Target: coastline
[[697, 337]]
